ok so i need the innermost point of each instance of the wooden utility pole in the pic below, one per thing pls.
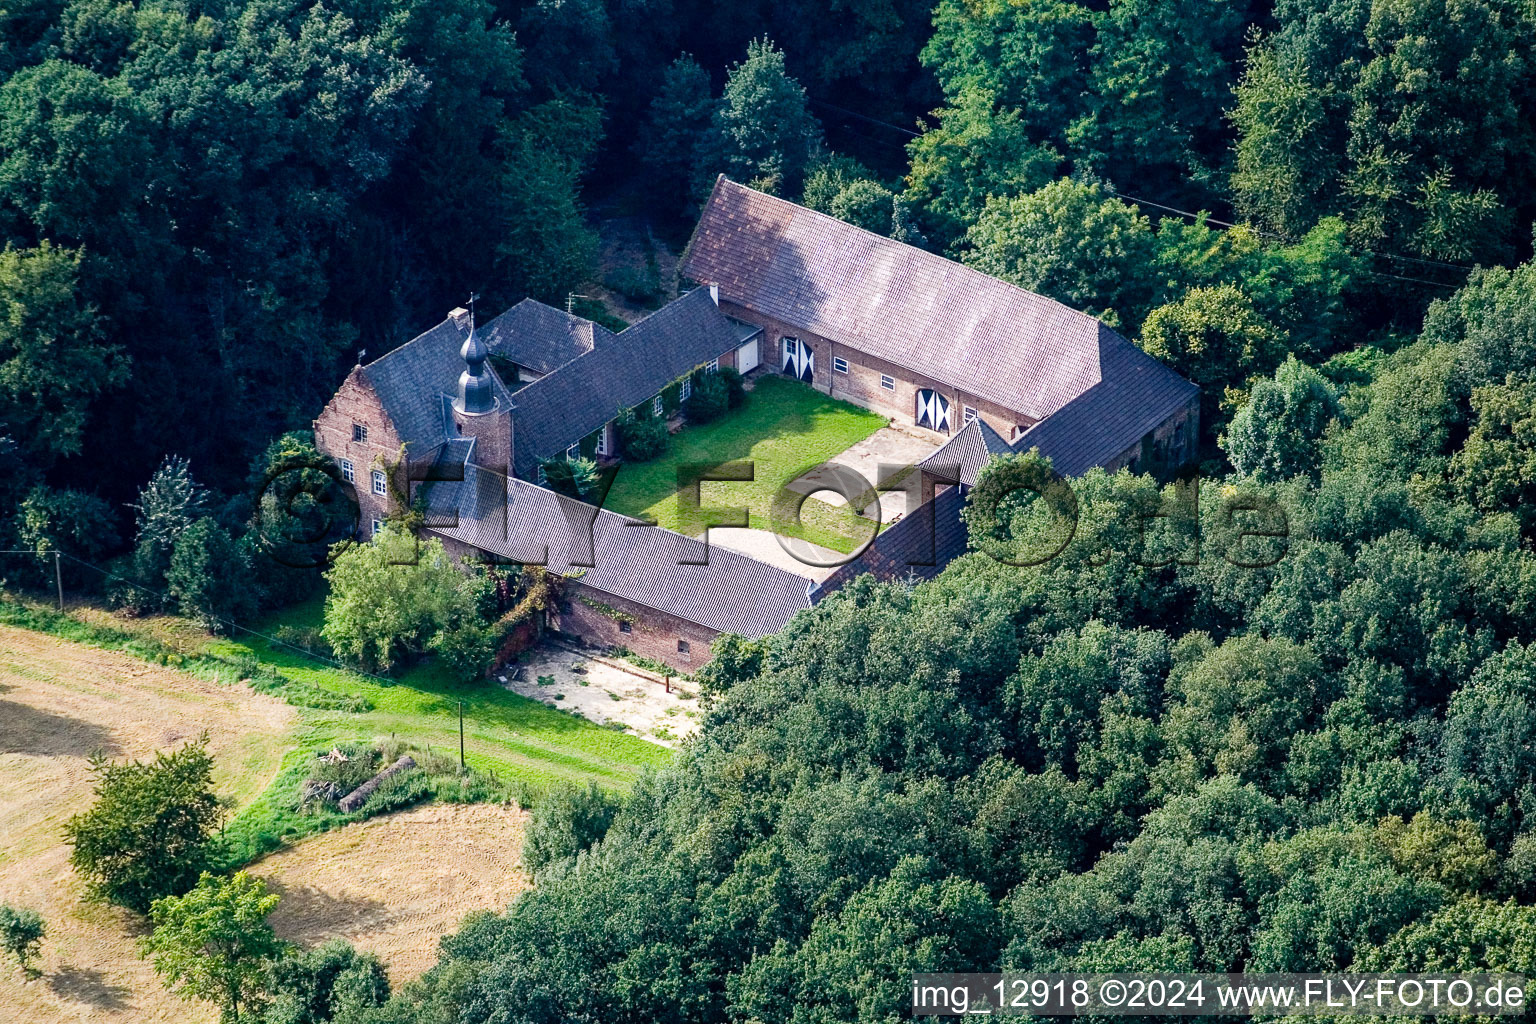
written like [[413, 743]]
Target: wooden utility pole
[[462, 768], [58, 579]]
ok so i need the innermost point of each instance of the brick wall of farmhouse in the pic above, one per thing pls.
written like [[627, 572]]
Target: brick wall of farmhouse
[[652, 633], [356, 404], [1174, 441], [861, 385]]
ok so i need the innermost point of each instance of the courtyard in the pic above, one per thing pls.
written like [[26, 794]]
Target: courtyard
[[785, 429]]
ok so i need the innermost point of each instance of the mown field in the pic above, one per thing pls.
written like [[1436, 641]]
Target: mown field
[[393, 884], [519, 744]]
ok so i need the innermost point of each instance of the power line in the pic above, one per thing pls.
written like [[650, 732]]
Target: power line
[[1285, 238], [865, 117]]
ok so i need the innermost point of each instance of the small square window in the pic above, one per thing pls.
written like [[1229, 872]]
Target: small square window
[[888, 382], [713, 365], [348, 471], [839, 364], [359, 433], [573, 452], [380, 484], [374, 527], [625, 626], [969, 415], [686, 391], [656, 406], [682, 647]]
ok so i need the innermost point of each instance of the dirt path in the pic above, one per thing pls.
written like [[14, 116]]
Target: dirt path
[[394, 885], [60, 701]]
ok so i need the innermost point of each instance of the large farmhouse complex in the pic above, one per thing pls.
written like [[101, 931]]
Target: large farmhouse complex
[[980, 365]]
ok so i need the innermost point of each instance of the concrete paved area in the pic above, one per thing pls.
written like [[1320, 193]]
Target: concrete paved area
[[765, 546], [889, 446]]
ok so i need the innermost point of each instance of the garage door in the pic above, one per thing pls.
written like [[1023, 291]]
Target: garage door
[[747, 357]]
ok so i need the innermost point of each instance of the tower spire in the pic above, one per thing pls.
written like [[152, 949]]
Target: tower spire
[[474, 383]]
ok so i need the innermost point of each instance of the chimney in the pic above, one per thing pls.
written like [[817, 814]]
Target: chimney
[[460, 316]]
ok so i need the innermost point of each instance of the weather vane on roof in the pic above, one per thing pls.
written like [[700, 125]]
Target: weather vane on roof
[[472, 297]]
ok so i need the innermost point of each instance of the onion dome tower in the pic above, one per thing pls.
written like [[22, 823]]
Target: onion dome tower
[[475, 394]]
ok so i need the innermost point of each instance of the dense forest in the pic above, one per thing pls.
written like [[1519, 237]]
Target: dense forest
[[1179, 744]]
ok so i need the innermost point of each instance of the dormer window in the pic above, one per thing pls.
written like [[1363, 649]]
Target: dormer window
[[359, 433]]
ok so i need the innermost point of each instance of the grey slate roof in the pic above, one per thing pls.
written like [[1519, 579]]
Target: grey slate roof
[[919, 546], [591, 372], [412, 380], [537, 336], [966, 452], [621, 370], [629, 560], [1136, 395], [921, 311]]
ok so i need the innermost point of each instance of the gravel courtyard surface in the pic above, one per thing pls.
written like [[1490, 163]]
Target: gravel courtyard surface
[[604, 691]]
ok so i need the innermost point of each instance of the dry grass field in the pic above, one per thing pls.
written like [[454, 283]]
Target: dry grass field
[[60, 701], [393, 885]]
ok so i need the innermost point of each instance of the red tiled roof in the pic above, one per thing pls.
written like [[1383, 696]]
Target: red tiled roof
[[934, 316]]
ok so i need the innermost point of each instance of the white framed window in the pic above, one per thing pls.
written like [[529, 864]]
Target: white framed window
[[656, 405], [541, 479], [380, 484], [969, 416], [602, 440], [374, 527], [573, 452], [348, 471], [839, 364], [713, 365], [888, 382], [687, 389], [360, 433]]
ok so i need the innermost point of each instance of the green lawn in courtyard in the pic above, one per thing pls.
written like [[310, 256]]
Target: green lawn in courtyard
[[784, 428]]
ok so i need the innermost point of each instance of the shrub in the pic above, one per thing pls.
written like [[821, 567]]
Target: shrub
[[71, 522], [709, 400], [642, 439], [390, 598], [466, 649], [735, 385], [21, 933], [210, 576], [574, 478], [566, 821], [215, 943], [331, 982], [634, 283], [147, 834]]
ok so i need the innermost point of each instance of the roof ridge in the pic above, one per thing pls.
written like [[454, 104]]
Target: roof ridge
[[888, 240]]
